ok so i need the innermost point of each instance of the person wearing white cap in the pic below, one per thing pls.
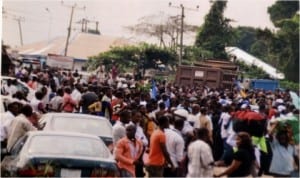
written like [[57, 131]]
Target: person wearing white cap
[[187, 128]]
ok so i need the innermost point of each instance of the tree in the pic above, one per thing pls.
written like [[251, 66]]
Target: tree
[[289, 34], [216, 32], [286, 40], [283, 10], [279, 48], [164, 28], [131, 57], [244, 37]]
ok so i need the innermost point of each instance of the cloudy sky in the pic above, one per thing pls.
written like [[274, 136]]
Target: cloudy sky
[[113, 15]]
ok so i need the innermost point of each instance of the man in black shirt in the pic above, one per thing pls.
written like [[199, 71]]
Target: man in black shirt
[[87, 99]]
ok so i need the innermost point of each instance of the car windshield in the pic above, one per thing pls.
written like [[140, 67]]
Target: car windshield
[[88, 126], [68, 146]]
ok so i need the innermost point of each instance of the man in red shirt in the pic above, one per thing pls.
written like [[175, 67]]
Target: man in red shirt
[[158, 152], [68, 103], [118, 105]]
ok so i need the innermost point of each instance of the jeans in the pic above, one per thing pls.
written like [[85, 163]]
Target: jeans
[[125, 173], [155, 171]]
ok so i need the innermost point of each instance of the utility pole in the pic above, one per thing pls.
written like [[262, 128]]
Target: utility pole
[[50, 23], [182, 26], [82, 25], [19, 20], [70, 24]]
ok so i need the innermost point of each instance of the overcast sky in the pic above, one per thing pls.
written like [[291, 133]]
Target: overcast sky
[[114, 15]]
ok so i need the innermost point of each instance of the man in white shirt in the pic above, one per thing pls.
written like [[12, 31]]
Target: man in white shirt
[[56, 102], [119, 130], [187, 128], [224, 123], [6, 119], [139, 134], [76, 93], [194, 116], [20, 126], [200, 156], [175, 147], [12, 89]]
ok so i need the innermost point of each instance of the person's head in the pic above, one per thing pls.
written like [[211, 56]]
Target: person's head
[[195, 108], [53, 88], [9, 82], [262, 108], [164, 97], [203, 110], [78, 86], [60, 92], [178, 124], [125, 116], [162, 106], [227, 108], [163, 122], [282, 137], [19, 95], [143, 109], [68, 90], [44, 90], [14, 108], [39, 95], [90, 88], [108, 92], [181, 113], [203, 134], [243, 140], [130, 131], [26, 110], [136, 116], [34, 79]]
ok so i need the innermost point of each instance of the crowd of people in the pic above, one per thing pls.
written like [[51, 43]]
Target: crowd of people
[[168, 130]]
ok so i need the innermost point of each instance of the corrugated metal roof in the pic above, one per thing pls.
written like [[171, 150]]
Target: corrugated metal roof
[[82, 46], [252, 60]]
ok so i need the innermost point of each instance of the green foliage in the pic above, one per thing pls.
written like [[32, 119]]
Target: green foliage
[[216, 32], [244, 37], [193, 54], [126, 57], [251, 71], [294, 86], [280, 48], [259, 49], [283, 10], [289, 35], [144, 88]]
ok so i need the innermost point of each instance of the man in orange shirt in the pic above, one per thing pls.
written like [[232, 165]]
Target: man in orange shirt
[[158, 152], [127, 152]]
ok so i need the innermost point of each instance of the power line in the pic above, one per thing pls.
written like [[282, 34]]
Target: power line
[[31, 16]]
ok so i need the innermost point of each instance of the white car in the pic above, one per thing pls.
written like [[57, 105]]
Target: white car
[[59, 154], [79, 123], [21, 86]]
